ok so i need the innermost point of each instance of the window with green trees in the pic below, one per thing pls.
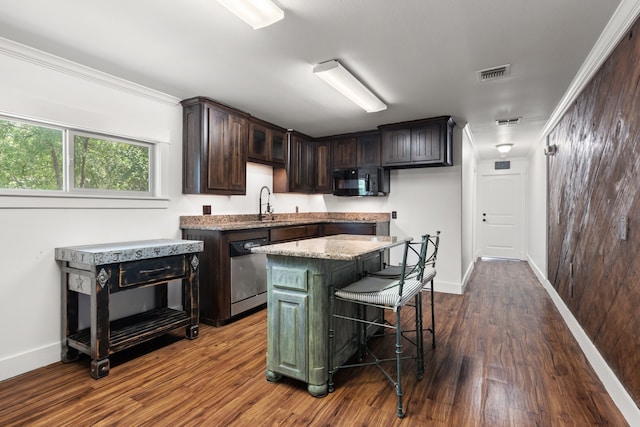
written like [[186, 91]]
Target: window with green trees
[[35, 156]]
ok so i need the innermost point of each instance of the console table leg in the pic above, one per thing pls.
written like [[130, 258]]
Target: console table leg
[[69, 354], [100, 368], [192, 332]]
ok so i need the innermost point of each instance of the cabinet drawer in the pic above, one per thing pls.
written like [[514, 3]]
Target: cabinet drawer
[[349, 228], [313, 230], [288, 233], [152, 270]]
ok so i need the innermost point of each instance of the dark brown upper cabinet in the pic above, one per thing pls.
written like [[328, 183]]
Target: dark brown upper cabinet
[[323, 177], [266, 143], [356, 150], [215, 146], [308, 169], [368, 149], [419, 143], [344, 152]]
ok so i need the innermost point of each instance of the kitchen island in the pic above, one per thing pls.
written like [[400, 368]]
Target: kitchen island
[[299, 277]]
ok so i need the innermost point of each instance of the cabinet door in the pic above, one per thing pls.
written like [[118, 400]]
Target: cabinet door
[[287, 324], [258, 143], [278, 148], [217, 141], [323, 182], [237, 155], [368, 150], [426, 143], [396, 146], [301, 164], [344, 153]]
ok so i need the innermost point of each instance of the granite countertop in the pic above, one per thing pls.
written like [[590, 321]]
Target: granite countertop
[[108, 253], [343, 247], [249, 221]]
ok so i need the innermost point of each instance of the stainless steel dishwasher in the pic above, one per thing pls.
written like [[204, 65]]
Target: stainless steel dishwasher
[[248, 275]]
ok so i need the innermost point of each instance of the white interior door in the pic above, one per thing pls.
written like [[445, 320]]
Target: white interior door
[[501, 215]]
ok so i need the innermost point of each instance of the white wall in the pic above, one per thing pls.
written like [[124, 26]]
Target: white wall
[[469, 177], [537, 210], [36, 85]]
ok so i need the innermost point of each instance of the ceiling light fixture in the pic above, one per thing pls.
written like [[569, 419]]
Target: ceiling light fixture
[[257, 13], [504, 148], [344, 82]]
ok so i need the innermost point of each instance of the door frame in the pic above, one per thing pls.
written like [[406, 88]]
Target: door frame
[[518, 166]]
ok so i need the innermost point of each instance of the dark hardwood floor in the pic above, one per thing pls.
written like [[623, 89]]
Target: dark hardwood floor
[[504, 358]]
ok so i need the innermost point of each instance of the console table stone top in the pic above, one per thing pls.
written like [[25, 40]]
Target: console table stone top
[[342, 247], [108, 253]]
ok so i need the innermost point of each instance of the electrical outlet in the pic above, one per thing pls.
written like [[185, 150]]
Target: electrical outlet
[[394, 214]]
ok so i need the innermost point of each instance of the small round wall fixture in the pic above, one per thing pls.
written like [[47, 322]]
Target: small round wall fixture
[[504, 148]]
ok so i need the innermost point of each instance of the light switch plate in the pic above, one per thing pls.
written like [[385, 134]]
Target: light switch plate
[[623, 228]]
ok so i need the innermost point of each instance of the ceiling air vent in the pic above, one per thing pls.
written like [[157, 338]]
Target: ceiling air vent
[[508, 122], [494, 73]]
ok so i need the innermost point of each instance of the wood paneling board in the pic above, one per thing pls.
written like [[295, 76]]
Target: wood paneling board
[[593, 182]]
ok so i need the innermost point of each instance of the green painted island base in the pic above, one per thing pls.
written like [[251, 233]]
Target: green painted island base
[[297, 316]]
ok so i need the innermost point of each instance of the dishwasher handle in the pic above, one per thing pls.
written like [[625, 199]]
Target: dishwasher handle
[[243, 247]]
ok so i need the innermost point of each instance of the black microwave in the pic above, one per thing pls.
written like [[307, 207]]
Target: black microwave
[[361, 182]]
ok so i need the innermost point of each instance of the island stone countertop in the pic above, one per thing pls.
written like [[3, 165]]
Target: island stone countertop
[[342, 247], [108, 253], [249, 221]]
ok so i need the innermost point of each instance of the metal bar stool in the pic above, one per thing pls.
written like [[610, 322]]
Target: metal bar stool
[[388, 294], [429, 274]]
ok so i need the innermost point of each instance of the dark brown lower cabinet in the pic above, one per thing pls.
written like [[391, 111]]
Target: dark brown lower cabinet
[[215, 260], [330, 229]]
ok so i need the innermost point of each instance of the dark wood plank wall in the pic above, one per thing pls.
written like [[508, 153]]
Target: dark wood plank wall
[[594, 180]]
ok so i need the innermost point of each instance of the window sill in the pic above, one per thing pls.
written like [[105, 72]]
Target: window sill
[[45, 200]]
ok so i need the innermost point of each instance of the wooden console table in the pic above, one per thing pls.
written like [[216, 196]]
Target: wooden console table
[[99, 270]]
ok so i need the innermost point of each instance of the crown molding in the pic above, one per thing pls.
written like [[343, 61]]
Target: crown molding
[[621, 21], [46, 60]]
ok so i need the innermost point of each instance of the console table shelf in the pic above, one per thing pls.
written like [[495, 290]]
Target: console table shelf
[[133, 330], [100, 270]]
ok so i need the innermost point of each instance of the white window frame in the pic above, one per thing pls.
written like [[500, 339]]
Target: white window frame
[[69, 155], [70, 197]]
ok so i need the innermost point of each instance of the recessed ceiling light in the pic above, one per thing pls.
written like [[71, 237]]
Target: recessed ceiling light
[[504, 148]]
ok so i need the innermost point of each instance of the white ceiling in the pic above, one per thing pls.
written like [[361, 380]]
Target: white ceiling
[[419, 56]]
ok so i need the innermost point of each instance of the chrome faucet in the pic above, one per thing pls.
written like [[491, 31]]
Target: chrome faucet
[[260, 202]]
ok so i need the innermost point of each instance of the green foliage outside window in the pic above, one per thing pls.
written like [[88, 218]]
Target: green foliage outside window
[[102, 164], [31, 158]]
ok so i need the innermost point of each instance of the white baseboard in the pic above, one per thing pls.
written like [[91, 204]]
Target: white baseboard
[[612, 384], [448, 287], [467, 274], [33, 359]]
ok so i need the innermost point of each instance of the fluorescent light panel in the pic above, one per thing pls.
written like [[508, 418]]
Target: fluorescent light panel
[[344, 82], [257, 13]]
